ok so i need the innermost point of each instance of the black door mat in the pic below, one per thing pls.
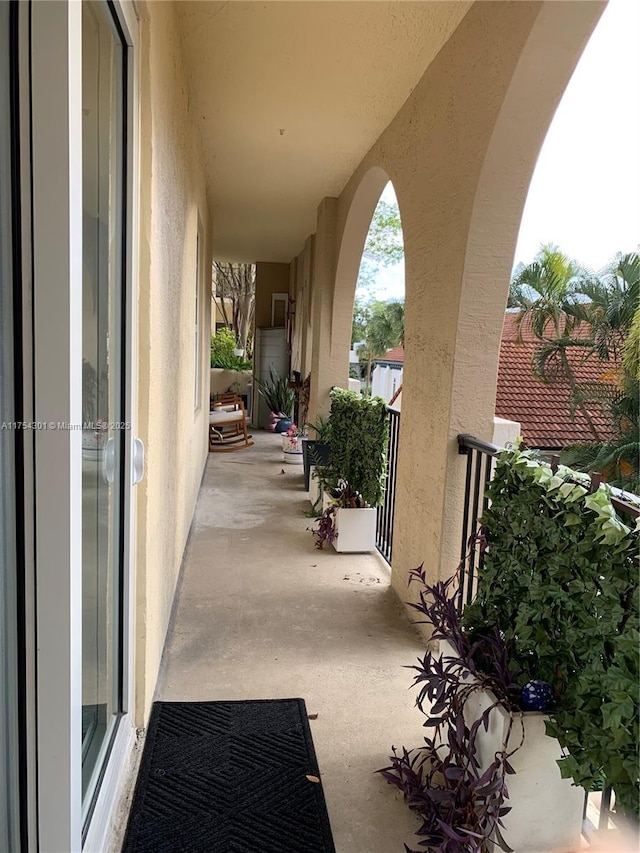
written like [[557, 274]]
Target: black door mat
[[229, 777]]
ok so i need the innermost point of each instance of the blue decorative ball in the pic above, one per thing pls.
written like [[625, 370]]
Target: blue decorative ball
[[283, 425], [536, 695]]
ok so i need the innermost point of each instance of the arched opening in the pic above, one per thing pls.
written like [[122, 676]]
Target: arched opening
[[377, 329], [573, 261], [354, 235]]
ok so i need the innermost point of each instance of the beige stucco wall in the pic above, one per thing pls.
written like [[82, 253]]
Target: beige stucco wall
[[270, 278], [301, 349], [172, 195], [460, 153], [216, 311]]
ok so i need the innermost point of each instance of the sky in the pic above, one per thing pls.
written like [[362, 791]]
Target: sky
[[585, 191]]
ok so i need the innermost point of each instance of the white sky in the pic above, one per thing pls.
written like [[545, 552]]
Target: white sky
[[585, 191]]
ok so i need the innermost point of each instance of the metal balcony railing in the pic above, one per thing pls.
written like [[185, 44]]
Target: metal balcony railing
[[386, 512]]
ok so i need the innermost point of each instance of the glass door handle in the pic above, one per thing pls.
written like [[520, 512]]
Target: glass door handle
[[137, 461], [109, 460]]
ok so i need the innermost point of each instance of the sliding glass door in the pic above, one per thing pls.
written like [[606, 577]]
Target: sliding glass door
[[9, 617], [103, 344]]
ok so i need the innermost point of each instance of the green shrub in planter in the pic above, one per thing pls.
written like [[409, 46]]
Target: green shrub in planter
[[560, 583], [359, 435]]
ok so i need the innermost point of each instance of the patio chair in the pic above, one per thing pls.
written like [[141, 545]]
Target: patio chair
[[228, 425]]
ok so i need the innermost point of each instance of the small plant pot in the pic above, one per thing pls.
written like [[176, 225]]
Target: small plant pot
[[292, 450], [355, 530], [546, 810]]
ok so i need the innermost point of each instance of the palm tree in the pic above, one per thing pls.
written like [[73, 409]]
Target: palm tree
[[570, 310], [631, 352], [613, 303], [384, 330], [548, 292], [613, 316], [367, 355], [550, 295]]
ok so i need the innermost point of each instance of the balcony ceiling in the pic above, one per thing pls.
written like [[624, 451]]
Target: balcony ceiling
[[290, 96]]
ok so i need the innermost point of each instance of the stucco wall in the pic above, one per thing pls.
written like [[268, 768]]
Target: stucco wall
[[303, 293], [270, 279], [173, 200]]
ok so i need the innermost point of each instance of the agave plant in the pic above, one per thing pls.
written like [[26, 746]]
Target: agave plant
[[277, 394]]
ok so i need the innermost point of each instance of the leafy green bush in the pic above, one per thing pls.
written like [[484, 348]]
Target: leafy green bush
[[359, 433], [223, 344], [560, 582]]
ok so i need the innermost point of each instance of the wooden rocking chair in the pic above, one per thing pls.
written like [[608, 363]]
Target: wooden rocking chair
[[228, 425]]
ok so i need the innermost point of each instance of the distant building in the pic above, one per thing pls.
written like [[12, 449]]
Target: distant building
[[387, 373], [541, 409]]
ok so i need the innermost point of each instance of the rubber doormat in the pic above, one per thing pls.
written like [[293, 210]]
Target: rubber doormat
[[229, 777]]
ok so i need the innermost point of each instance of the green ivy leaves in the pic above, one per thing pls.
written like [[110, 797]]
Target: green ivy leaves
[[359, 431], [560, 580]]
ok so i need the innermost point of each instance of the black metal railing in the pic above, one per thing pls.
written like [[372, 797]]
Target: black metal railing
[[479, 466], [480, 456], [386, 511]]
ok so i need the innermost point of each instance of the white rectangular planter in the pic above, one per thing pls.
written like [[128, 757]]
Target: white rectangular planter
[[356, 530], [546, 810]]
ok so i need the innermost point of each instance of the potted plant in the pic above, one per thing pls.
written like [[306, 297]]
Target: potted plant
[[279, 398], [355, 473], [292, 446], [522, 685], [316, 450], [460, 803], [346, 522], [486, 777], [560, 580]]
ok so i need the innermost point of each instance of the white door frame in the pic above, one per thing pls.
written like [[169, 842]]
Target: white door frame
[[56, 80]]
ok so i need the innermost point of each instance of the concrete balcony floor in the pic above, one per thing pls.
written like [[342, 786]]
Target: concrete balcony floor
[[261, 614]]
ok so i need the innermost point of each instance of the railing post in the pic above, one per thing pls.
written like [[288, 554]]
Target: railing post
[[479, 453], [386, 511]]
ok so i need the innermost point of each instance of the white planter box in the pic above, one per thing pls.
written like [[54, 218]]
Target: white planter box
[[356, 530], [546, 810]]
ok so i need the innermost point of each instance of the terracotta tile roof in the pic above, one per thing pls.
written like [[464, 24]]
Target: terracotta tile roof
[[542, 410], [396, 355]]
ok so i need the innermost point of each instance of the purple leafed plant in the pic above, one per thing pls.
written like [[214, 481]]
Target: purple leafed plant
[[460, 804], [345, 496], [326, 529]]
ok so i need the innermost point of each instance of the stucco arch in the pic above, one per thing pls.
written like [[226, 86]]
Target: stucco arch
[[343, 225], [462, 207], [460, 153], [354, 234], [557, 37]]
